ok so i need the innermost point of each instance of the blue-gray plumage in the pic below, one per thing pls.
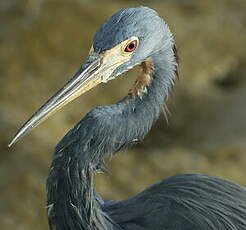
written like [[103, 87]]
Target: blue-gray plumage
[[134, 36]]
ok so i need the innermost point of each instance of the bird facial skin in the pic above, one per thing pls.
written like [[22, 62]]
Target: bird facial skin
[[115, 57]]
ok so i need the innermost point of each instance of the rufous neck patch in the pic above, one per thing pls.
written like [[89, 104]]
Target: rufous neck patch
[[143, 80]]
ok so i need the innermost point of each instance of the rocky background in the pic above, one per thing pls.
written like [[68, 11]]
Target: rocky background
[[43, 42]]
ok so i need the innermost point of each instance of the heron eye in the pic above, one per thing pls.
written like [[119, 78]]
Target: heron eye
[[131, 46]]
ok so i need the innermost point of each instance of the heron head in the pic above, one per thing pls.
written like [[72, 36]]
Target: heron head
[[127, 38], [124, 40]]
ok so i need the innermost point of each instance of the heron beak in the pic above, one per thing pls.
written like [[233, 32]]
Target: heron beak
[[96, 69]]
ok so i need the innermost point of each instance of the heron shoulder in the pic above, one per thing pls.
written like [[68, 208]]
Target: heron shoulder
[[181, 202]]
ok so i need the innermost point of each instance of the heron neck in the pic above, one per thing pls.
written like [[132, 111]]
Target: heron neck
[[139, 111], [72, 200]]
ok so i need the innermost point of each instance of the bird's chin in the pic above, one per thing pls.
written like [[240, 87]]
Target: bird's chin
[[121, 70]]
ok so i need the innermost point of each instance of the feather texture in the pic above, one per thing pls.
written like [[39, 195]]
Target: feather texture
[[183, 202]]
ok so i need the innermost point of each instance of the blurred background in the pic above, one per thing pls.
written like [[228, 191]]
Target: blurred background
[[43, 42]]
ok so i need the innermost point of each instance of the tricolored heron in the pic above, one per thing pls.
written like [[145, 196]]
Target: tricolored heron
[[133, 36]]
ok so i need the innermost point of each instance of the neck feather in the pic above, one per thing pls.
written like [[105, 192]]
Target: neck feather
[[72, 201], [147, 99]]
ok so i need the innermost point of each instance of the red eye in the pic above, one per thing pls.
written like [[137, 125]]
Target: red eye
[[131, 46]]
